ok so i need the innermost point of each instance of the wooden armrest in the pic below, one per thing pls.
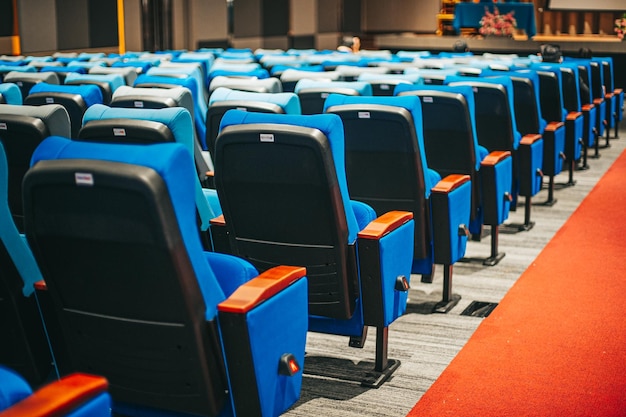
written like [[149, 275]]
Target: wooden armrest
[[608, 96], [261, 288], [530, 138], [553, 126], [494, 157], [384, 224], [210, 173], [40, 285], [588, 107], [218, 221], [598, 101], [449, 183], [573, 115], [59, 397], [618, 91]]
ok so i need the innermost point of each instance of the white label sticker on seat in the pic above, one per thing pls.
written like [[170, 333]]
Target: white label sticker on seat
[[428, 99], [49, 100], [266, 137], [83, 178], [138, 104], [118, 131], [3, 126], [364, 115]]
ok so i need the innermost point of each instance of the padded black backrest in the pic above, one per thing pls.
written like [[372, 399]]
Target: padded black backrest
[[282, 205], [383, 164], [73, 103], [448, 136], [20, 135], [143, 102], [494, 126], [122, 283], [526, 112], [596, 80], [217, 109], [570, 90], [550, 96], [607, 76], [126, 131], [583, 71]]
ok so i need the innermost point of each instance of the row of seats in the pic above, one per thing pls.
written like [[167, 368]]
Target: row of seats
[[362, 193]]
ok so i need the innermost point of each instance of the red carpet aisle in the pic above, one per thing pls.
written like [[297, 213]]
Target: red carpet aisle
[[556, 344]]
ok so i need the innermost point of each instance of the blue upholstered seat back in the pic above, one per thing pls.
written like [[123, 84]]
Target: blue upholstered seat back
[[90, 93], [11, 93], [173, 162]]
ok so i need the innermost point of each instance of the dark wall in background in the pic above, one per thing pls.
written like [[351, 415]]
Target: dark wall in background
[[6, 18], [102, 23]]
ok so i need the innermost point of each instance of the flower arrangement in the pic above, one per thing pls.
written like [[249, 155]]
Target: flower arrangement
[[496, 24], [620, 26]]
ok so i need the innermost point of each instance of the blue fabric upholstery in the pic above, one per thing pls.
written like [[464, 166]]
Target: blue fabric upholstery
[[11, 93], [178, 120], [114, 80], [289, 102], [13, 388], [90, 93], [330, 125]]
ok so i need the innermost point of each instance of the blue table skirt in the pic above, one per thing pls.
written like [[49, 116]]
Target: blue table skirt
[[468, 15]]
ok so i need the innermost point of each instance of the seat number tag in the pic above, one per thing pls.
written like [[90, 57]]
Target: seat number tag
[[118, 131], [428, 99], [266, 137], [83, 178], [364, 115]]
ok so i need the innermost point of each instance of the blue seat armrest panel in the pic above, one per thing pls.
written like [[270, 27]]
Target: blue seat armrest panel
[[554, 148], [589, 116], [263, 326], [531, 164], [601, 111], [451, 207], [574, 124], [619, 93], [496, 173], [385, 254], [77, 395]]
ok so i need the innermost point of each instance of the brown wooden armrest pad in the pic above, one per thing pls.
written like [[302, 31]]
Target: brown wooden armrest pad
[[608, 96], [40, 285], [59, 397], [598, 101], [553, 126], [218, 221], [384, 224], [210, 173], [588, 107], [618, 91], [495, 157], [450, 183], [261, 288], [573, 115], [530, 139]]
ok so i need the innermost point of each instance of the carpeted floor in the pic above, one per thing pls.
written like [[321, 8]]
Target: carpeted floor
[[556, 344]]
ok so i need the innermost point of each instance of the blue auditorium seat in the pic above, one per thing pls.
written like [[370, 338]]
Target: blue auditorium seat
[[224, 99], [75, 98], [148, 126], [386, 168], [282, 186], [176, 331], [76, 395], [384, 85], [107, 83], [290, 76], [452, 147], [257, 85]]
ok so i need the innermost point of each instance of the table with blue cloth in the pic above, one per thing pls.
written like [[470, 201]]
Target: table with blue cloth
[[468, 15]]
